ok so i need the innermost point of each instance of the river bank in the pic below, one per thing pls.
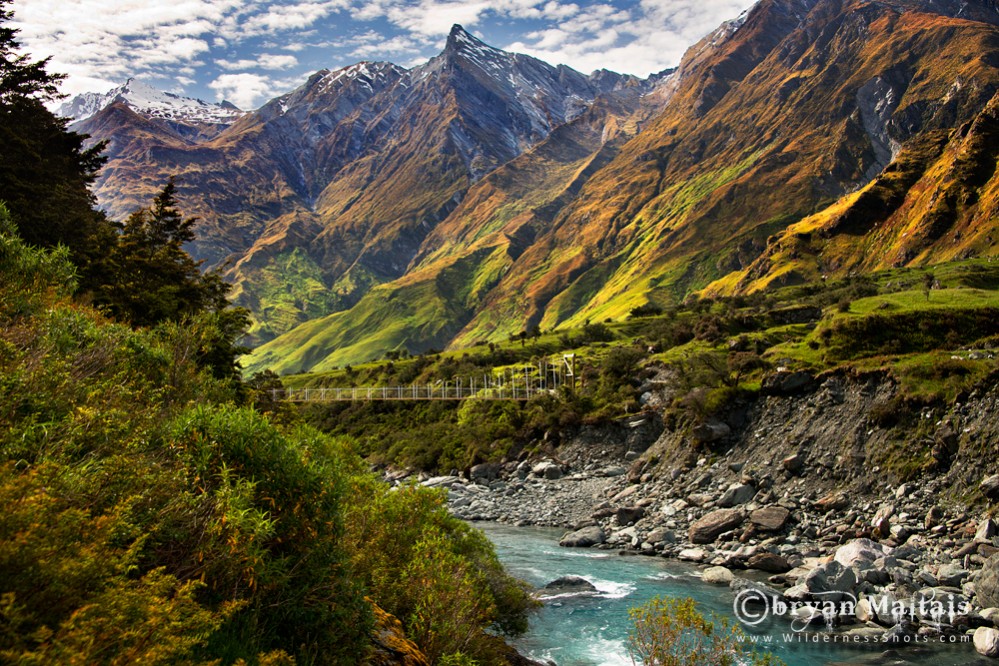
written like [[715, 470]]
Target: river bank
[[591, 628], [900, 569]]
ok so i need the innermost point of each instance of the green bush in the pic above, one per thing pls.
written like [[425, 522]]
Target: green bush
[[670, 632]]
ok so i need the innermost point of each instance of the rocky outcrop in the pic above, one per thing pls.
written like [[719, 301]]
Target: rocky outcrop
[[389, 645]]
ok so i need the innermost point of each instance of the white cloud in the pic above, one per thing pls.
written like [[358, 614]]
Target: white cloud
[[265, 61], [244, 90], [435, 18]]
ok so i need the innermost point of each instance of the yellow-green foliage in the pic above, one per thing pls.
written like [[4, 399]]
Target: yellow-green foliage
[[149, 517], [671, 632]]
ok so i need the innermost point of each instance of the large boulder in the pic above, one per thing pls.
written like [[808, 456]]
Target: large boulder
[[711, 431], [831, 579], [987, 583], [485, 471], [770, 518], [567, 584], [987, 641], [547, 469], [629, 514], [712, 525], [717, 576], [736, 494], [583, 538], [860, 550], [769, 562], [990, 486], [952, 575]]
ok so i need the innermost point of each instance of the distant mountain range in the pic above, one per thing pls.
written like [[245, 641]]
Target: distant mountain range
[[483, 193]]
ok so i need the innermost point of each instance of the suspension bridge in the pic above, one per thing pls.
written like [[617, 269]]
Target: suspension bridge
[[511, 383]]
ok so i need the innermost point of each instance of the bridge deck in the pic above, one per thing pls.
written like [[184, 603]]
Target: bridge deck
[[372, 393]]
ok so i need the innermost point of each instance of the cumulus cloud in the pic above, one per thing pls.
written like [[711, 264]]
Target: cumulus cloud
[[245, 90]]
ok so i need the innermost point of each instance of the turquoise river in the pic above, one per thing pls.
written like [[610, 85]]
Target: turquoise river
[[592, 630]]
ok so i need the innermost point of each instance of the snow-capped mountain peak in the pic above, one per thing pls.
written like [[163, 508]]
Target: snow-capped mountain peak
[[147, 100]]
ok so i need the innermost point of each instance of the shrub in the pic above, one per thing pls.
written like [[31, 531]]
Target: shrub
[[670, 632]]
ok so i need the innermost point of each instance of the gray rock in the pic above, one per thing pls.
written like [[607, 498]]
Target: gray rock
[[485, 471], [990, 486], [661, 535], [570, 584], [441, 482], [712, 525], [794, 463], [831, 577], [770, 518], [736, 494], [753, 592], [987, 583], [933, 517], [941, 604], [849, 554], [987, 529], [787, 383], [952, 575], [629, 514], [717, 576], [901, 632], [711, 431], [583, 538], [986, 641]]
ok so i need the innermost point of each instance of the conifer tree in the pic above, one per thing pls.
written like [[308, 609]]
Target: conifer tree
[[45, 170], [154, 278]]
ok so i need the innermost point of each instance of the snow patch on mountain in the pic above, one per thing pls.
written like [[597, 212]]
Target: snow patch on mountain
[[149, 101]]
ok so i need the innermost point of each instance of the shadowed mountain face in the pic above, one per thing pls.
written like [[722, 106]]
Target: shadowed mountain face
[[482, 193]]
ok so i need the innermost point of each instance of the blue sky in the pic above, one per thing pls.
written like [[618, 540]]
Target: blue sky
[[249, 51]]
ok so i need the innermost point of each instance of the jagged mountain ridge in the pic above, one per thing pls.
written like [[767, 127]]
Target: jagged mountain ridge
[[335, 185], [149, 101]]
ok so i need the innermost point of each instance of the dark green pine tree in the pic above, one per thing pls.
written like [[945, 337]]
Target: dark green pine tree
[[155, 279], [45, 170]]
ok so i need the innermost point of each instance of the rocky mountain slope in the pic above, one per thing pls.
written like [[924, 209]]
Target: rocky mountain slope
[[485, 193], [330, 190]]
